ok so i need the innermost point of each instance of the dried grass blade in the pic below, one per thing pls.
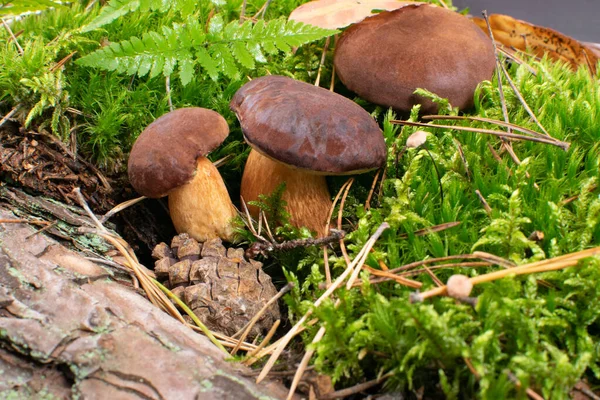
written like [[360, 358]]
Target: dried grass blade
[[501, 134], [337, 283]]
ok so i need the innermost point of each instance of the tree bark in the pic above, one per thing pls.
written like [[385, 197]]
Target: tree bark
[[67, 329]]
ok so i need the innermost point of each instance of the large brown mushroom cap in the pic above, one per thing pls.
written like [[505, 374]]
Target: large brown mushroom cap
[[164, 156], [385, 58], [308, 127]]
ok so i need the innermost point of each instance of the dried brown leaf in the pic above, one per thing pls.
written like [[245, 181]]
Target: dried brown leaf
[[539, 40]]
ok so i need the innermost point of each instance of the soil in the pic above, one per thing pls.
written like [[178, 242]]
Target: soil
[[42, 165]]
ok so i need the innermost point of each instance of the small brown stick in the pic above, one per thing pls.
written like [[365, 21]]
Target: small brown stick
[[552, 264], [120, 207], [332, 83], [399, 279], [368, 201], [513, 56], [246, 330], [243, 12], [501, 134], [340, 394], [443, 4], [532, 394], [468, 264], [433, 277], [304, 363], [339, 220], [63, 61], [488, 120], [327, 224], [349, 273], [266, 340], [24, 221], [432, 229], [87, 209], [485, 204], [13, 37], [461, 153], [8, 116], [522, 100], [44, 229], [325, 48], [494, 259], [168, 92], [265, 247]]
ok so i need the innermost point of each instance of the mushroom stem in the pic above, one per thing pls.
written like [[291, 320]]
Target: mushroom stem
[[202, 207], [307, 196]]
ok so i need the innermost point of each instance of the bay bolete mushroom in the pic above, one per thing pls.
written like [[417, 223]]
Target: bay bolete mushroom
[[169, 158], [299, 133], [385, 58]]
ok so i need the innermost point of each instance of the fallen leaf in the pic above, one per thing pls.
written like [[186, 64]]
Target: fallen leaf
[[539, 40], [335, 14]]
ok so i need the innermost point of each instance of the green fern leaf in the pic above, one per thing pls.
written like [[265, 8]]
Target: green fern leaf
[[113, 10], [224, 50], [207, 62], [118, 8], [17, 7]]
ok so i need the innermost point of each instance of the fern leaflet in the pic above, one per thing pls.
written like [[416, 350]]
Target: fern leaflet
[[224, 49], [118, 8]]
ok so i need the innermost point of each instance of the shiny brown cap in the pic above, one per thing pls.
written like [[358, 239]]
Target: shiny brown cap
[[386, 57], [308, 127], [164, 155]]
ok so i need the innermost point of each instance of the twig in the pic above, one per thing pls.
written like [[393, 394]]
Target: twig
[[488, 120], [431, 229], [485, 204], [246, 330], [532, 394], [87, 209], [325, 47], [264, 247], [44, 229], [120, 207], [168, 90], [304, 363], [339, 220], [243, 11], [13, 37], [522, 99], [340, 394], [325, 256], [553, 264], [501, 134], [351, 271], [262, 344], [368, 201], [8, 116], [24, 221]]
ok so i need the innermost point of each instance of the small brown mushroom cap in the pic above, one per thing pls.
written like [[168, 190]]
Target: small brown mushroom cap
[[308, 127], [164, 155], [385, 58]]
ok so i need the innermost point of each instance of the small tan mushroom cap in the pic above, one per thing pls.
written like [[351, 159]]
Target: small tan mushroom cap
[[385, 58], [459, 286], [165, 154]]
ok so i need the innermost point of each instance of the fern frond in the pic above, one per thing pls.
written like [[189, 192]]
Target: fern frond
[[17, 7], [118, 8], [113, 10], [225, 49]]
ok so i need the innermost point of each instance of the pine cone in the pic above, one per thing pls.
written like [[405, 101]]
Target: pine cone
[[223, 289]]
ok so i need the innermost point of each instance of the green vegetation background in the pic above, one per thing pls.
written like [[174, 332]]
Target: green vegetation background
[[546, 335]]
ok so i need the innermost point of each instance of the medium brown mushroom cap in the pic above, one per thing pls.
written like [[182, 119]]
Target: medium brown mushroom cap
[[308, 127], [164, 155], [386, 57]]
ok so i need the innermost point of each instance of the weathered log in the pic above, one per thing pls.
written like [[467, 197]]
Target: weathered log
[[68, 329]]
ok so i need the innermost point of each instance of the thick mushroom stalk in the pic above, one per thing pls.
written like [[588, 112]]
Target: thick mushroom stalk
[[202, 207], [307, 196]]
